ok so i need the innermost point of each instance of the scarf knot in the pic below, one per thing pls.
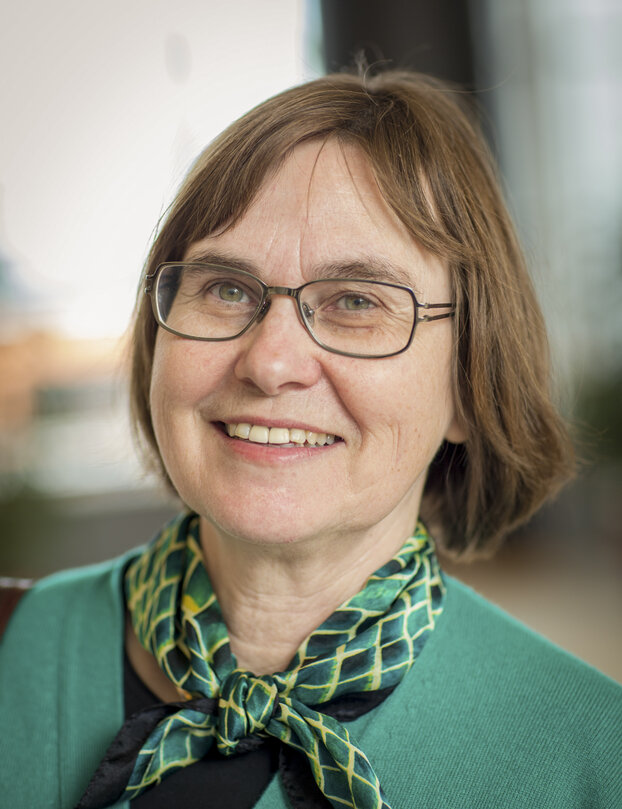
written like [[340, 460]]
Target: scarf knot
[[245, 707]]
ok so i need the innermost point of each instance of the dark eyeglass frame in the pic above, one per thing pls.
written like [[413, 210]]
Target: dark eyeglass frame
[[293, 292]]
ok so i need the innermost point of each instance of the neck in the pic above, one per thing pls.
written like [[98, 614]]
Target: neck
[[273, 597]]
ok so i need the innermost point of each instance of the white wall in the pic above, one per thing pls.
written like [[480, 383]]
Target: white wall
[[104, 106]]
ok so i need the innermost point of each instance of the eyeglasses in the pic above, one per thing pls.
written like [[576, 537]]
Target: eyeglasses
[[349, 316]]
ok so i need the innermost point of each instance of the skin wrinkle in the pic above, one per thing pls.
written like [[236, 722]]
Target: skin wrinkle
[[290, 610]]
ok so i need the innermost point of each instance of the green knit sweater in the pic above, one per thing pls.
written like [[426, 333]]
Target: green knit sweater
[[490, 716]]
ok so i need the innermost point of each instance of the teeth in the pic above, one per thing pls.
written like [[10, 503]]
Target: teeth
[[259, 434], [297, 436], [278, 435]]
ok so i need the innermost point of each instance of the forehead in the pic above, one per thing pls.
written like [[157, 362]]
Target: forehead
[[321, 210]]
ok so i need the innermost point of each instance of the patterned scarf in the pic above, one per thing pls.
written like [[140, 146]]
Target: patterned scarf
[[368, 644]]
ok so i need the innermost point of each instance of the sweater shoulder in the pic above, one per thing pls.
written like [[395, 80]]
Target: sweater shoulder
[[519, 691], [478, 627], [56, 610], [496, 715], [61, 693], [44, 604]]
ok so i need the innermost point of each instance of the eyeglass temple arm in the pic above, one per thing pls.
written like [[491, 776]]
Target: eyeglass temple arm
[[428, 318]]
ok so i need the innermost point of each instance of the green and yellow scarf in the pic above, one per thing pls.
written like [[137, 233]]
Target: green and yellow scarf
[[367, 645]]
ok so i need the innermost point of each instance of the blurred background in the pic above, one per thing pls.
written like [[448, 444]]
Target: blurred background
[[105, 106]]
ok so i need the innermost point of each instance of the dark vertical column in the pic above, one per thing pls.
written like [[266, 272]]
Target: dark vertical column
[[432, 36]]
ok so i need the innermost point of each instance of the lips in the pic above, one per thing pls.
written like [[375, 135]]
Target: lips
[[283, 436]]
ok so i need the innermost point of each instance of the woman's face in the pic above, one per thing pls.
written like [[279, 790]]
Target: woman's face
[[321, 209]]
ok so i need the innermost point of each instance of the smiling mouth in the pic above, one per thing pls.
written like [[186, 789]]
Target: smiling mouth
[[282, 436]]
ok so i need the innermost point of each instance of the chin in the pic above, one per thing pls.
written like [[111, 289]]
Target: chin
[[261, 531]]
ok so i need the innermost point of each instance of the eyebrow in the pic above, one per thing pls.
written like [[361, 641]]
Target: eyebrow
[[224, 260], [366, 268]]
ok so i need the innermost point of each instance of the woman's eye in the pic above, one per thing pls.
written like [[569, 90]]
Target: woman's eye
[[230, 293], [355, 303]]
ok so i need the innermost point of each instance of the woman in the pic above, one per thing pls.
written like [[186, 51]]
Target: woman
[[336, 337]]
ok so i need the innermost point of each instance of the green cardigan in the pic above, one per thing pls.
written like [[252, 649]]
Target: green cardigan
[[490, 716]]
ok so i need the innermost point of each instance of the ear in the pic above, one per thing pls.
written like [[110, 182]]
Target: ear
[[456, 432]]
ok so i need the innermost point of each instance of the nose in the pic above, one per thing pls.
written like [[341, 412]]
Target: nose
[[277, 354]]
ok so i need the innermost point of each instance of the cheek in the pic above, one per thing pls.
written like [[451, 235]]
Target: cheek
[[175, 388], [179, 384], [168, 384], [183, 372], [404, 408]]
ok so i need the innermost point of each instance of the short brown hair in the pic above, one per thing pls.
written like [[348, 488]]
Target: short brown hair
[[435, 172]]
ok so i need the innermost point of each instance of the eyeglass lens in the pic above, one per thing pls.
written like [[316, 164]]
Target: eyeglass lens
[[208, 302]]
